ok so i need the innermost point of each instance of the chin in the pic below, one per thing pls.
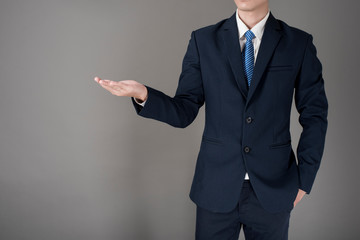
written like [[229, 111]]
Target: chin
[[245, 7]]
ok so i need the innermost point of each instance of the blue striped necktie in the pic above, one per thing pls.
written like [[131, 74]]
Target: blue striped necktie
[[248, 55]]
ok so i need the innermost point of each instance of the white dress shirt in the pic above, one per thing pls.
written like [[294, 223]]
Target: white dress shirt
[[258, 31]]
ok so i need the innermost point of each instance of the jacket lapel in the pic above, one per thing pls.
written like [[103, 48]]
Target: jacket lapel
[[269, 41], [232, 45]]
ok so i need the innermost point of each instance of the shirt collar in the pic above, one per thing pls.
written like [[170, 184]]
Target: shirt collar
[[258, 29]]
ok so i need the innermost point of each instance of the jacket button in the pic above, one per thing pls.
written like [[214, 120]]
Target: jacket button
[[246, 149], [249, 119]]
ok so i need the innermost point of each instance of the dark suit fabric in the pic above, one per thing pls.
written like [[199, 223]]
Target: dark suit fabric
[[248, 214], [248, 128]]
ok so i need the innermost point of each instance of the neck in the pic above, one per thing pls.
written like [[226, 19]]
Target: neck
[[251, 18]]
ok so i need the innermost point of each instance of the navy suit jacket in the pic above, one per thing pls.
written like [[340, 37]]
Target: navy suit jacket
[[247, 128]]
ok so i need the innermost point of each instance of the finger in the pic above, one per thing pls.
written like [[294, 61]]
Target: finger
[[114, 85], [99, 80], [105, 81], [108, 83]]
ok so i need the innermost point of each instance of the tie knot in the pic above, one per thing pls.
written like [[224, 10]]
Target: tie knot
[[249, 35]]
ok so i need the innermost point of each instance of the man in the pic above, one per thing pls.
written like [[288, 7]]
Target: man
[[246, 68]]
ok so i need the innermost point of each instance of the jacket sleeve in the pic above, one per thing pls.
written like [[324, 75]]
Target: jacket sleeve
[[312, 105], [142, 103], [180, 110]]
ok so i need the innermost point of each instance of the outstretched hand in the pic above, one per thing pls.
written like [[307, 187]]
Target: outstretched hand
[[130, 88]]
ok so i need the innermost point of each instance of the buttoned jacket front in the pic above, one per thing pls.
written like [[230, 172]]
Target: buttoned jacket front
[[248, 128]]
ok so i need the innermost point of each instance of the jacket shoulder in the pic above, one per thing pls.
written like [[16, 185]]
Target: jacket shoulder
[[292, 31]]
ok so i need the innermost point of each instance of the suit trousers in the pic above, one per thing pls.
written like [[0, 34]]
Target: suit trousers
[[256, 221]]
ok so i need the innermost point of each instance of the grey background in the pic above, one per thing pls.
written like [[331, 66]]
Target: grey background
[[76, 162]]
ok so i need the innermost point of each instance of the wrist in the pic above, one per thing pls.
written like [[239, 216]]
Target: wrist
[[142, 96]]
